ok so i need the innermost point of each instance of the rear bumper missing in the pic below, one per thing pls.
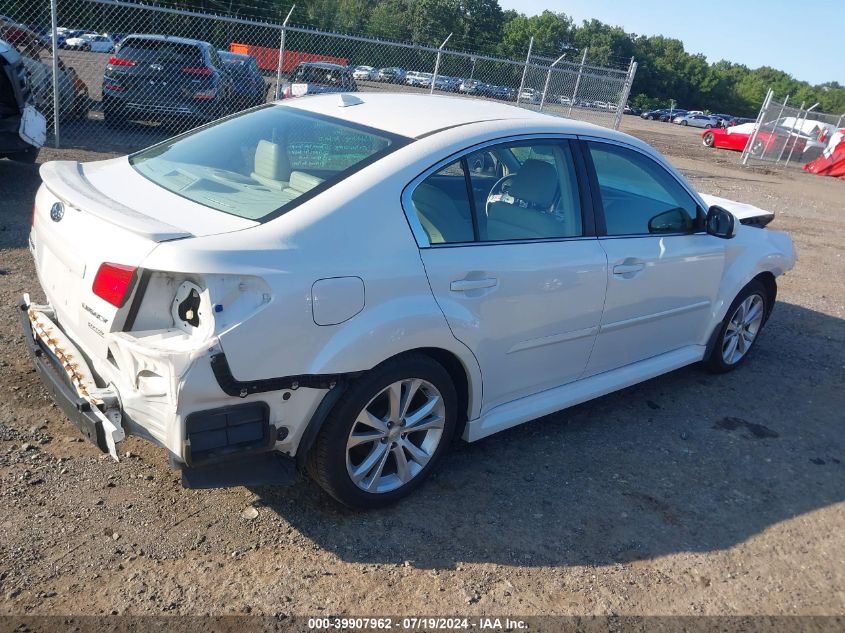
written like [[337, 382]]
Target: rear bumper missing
[[82, 409]]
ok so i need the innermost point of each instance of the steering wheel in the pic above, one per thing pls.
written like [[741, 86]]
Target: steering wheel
[[501, 186]]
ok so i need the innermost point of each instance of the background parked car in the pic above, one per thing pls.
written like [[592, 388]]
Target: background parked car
[[530, 95], [365, 73], [392, 74], [697, 120], [418, 79], [249, 88], [22, 128], [669, 115], [319, 77], [89, 42], [157, 76]]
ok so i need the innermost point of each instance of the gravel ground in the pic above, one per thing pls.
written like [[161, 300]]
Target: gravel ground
[[688, 494]]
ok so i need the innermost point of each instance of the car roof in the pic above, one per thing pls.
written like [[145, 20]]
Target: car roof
[[231, 55], [327, 65], [414, 115], [167, 38]]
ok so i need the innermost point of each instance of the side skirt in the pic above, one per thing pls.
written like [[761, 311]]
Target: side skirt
[[529, 408]]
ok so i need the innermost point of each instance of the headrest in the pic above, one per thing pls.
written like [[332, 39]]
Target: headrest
[[536, 181], [271, 161], [303, 182]]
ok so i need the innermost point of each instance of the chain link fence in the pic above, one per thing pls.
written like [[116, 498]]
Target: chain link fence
[[787, 133], [127, 75]]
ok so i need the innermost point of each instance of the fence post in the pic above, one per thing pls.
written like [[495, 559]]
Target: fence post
[[525, 70], [548, 77], [763, 111], [577, 81], [839, 122], [801, 130], [437, 64], [626, 90], [54, 21], [282, 52]]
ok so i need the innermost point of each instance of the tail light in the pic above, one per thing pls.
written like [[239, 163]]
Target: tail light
[[287, 93], [203, 71], [113, 282], [117, 61], [113, 87]]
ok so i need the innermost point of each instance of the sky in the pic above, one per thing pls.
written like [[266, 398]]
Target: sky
[[799, 38]]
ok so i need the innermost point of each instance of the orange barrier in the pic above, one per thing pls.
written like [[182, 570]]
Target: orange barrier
[[268, 58]]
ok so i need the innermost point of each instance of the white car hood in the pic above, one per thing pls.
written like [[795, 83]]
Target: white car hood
[[740, 210]]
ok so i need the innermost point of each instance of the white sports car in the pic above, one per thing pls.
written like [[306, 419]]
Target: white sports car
[[355, 280]]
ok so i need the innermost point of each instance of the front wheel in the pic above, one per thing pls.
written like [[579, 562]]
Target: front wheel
[[684, 123], [740, 329], [386, 433], [709, 139]]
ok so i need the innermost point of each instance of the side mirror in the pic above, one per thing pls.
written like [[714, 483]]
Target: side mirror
[[720, 222]]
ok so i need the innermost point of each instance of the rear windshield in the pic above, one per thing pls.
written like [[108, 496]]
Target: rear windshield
[[317, 75], [160, 51], [264, 162]]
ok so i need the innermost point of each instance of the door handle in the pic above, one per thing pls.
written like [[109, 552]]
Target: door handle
[[628, 268], [464, 285]]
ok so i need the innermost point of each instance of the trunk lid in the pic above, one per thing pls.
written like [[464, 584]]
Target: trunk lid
[[87, 215]]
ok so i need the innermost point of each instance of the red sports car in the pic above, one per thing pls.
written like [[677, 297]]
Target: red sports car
[[768, 141]]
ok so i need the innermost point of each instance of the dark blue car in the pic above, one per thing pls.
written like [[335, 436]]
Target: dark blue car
[[249, 88]]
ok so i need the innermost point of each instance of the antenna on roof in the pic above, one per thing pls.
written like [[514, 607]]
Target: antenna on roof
[[347, 100]]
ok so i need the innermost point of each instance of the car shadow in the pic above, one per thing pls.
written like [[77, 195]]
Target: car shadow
[[687, 462]]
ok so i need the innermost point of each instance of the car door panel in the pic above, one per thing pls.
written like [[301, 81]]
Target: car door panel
[[531, 315], [661, 307], [528, 304], [660, 287]]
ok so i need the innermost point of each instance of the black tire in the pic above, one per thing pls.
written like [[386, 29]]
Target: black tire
[[708, 126], [327, 462], [716, 362], [709, 140], [684, 123]]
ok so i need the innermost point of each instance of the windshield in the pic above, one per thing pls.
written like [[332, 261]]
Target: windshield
[[262, 163]]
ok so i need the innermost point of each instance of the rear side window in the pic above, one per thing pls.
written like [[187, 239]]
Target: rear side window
[[160, 51], [442, 205], [638, 195]]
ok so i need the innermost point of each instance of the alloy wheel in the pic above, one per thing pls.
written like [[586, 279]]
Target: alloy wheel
[[742, 329], [395, 435]]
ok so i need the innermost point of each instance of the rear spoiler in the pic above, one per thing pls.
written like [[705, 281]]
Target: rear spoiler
[[66, 180]]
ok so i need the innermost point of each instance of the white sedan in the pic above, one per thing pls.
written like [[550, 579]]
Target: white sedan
[[360, 278], [91, 42], [364, 73]]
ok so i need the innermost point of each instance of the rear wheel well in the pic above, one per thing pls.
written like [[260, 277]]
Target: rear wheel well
[[458, 374]]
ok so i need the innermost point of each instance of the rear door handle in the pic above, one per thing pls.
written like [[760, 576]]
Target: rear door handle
[[464, 285], [628, 269]]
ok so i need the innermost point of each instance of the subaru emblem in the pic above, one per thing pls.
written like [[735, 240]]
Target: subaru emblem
[[57, 212]]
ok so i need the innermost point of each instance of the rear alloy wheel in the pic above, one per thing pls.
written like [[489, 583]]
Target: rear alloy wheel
[[740, 329], [708, 126], [709, 139], [684, 123], [386, 433]]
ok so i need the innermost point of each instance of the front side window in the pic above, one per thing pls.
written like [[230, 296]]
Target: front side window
[[638, 195], [264, 162]]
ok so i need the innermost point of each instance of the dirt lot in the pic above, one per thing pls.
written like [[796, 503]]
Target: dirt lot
[[689, 494]]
